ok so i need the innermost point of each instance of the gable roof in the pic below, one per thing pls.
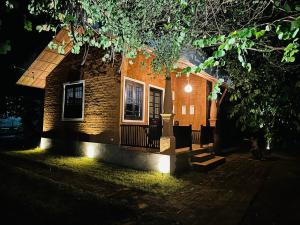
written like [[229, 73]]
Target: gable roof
[[48, 59], [44, 64]]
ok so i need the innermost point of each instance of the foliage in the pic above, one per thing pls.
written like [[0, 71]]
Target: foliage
[[169, 26], [216, 90], [267, 99], [5, 46]]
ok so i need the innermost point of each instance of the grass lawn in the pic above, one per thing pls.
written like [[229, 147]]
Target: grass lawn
[[141, 180]]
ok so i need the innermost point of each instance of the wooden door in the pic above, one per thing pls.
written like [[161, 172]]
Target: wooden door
[[155, 106]]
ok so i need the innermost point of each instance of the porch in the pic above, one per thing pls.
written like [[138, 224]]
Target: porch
[[147, 137], [193, 147]]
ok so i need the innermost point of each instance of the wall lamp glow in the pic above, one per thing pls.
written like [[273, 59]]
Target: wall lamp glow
[[164, 165], [188, 88], [90, 151]]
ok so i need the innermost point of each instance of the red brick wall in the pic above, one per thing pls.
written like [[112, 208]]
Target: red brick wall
[[102, 97]]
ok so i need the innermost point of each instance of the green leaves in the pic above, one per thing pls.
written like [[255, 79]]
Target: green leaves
[[170, 26], [260, 34], [231, 41], [61, 50], [28, 25], [199, 43], [5, 47], [76, 49], [268, 27], [295, 33], [290, 51], [219, 53], [216, 90], [44, 27], [9, 5], [287, 7], [52, 45], [241, 59]]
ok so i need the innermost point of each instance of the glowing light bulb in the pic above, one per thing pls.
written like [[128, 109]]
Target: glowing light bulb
[[188, 88]]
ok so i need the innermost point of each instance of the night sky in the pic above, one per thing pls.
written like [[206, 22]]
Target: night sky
[[25, 45]]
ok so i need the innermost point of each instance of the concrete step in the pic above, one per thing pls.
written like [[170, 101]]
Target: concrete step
[[208, 164], [202, 157], [198, 151], [195, 151]]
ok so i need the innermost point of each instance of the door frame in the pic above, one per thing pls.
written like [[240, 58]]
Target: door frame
[[162, 100]]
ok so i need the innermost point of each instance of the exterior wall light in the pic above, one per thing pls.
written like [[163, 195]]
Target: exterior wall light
[[90, 151], [45, 143], [188, 88], [164, 164]]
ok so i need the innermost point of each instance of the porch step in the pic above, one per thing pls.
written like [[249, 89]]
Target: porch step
[[197, 151], [209, 164], [202, 157]]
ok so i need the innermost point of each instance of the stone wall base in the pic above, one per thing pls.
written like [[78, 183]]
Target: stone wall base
[[114, 154]]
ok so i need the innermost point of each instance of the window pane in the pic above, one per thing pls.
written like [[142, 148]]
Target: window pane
[[134, 94], [73, 101]]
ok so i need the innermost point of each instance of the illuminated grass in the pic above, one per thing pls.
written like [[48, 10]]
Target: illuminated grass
[[146, 181]]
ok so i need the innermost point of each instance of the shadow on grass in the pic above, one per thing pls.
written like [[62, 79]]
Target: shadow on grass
[[27, 198]]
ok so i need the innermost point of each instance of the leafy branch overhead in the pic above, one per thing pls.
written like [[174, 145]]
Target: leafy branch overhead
[[217, 26]]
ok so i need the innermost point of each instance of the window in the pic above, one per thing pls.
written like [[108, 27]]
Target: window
[[183, 109], [73, 101], [192, 109], [134, 100]]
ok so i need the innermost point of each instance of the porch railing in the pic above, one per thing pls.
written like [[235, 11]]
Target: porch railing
[[141, 135], [183, 135], [196, 136], [206, 135], [148, 136]]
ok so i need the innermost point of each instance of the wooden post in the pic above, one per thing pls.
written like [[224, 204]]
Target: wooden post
[[191, 137], [167, 141], [213, 113]]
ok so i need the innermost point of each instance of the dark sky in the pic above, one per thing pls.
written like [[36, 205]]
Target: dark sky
[[25, 45]]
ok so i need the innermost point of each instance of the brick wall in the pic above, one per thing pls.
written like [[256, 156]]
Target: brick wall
[[102, 100], [104, 97]]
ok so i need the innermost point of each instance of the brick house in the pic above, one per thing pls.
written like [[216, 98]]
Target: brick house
[[116, 105]]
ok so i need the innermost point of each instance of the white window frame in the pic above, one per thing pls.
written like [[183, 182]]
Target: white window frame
[[123, 105], [162, 101], [83, 101]]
